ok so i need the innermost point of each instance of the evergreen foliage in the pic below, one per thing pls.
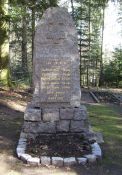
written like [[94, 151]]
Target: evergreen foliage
[[17, 27]]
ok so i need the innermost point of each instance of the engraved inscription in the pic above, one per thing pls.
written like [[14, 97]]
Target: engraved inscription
[[55, 82]]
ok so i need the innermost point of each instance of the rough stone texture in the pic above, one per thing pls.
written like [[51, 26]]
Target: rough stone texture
[[77, 126], [96, 150], [32, 114], [23, 135], [45, 160], [56, 59], [55, 106], [69, 161], [48, 127], [40, 127], [50, 114], [63, 126], [22, 140], [20, 151], [80, 113], [57, 161], [82, 160], [91, 158], [25, 157], [33, 161], [66, 113]]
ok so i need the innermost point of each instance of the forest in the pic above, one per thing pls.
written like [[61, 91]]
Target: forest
[[37, 133], [17, 27]]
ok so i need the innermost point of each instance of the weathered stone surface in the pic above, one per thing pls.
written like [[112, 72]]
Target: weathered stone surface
[[63, 126], [23, 135], [22, 145], [32, 114], [45, 160], [77, 126], [25, 157], [20, 151], [40, 127], [80, 113], [47, 127], [57, 161], [22, 140], [33, 161], [96, 150], [82, 160], [91, 158], [50, 114], [66, 113], [26, 127], [56, 59], [69, 161]]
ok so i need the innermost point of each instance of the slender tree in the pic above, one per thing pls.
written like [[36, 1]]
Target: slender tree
[[4, 43], [24, 39]]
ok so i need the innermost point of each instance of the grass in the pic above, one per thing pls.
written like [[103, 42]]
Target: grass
[[107, 120], [104, 118]]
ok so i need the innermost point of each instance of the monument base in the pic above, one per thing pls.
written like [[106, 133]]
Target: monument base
[[48, 122], [56, 120]]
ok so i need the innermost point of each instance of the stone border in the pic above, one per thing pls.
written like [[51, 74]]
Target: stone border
[[56, 161]]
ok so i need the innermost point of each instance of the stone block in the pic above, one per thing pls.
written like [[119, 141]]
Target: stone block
[[40, 127], [63, 126], [20, 151], [82, 160], [80, 113], [91, 158], [26, 127], [22, 140], [77, 126], [21, 145], [32, 114], [47, 127], [33, 161], [23, 135], [66, 113], [57, 161], [25, 157], [50, 114], [76, 96], [69, 161], [96, 150], [45, 160]]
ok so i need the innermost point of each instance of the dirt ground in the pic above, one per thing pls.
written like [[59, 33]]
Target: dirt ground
[[12, 106]]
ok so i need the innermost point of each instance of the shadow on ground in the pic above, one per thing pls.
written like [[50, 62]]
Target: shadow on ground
[[10, 127]]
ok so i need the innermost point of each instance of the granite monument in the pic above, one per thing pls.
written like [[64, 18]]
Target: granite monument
[[55, 106]]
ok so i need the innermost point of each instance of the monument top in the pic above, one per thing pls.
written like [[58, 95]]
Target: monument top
[[56, 60]]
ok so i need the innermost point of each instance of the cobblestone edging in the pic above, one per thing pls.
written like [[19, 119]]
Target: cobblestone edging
[[56, 161]]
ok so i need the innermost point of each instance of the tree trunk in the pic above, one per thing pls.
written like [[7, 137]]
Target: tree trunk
[[88, 62], [4, 44], [33, 29], [24, 40], [101, 79], [72, 6]]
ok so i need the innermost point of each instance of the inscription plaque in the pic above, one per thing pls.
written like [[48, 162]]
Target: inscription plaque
[[55, 80]]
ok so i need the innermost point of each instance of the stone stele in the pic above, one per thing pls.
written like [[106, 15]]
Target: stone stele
[[55, 106]]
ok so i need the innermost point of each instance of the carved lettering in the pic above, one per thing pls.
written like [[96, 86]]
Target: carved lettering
[[55, 81]]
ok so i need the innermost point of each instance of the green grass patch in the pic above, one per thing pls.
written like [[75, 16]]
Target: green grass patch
[[107, 120]]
